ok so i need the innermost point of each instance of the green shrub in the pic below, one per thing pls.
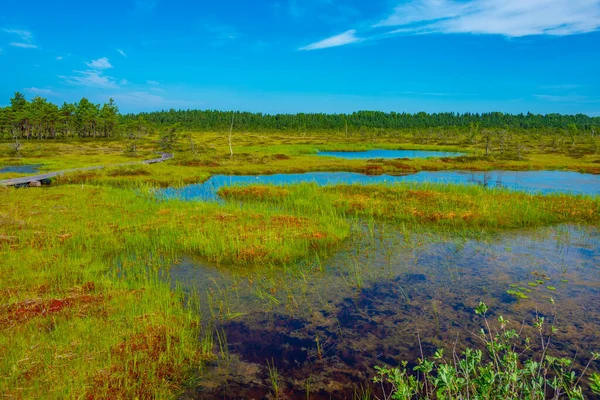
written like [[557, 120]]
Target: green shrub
[[499, 373]]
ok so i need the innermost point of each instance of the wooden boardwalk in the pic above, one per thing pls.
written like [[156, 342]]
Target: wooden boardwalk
[[35, 180]]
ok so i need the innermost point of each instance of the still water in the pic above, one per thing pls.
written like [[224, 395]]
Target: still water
[[326, 322], [531, 181], [21, 169], [374, 154]]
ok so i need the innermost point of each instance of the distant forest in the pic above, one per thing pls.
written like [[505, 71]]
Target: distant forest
[[220, 120], [40, 119]]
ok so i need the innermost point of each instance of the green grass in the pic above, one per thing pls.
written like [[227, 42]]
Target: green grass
[[85, 311], [452, 206], [295, 152]]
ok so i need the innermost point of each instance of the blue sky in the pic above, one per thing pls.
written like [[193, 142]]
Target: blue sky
[[307, 55]]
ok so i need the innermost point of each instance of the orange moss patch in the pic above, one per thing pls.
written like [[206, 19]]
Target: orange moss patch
[[288, 221], [24, 311], [402, 167], [252, 253], [137, 365], [259, 192], [591, 170], [374, 170], [128, 172]]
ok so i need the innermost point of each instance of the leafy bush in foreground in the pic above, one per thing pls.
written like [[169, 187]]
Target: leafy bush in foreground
[[497, 374]]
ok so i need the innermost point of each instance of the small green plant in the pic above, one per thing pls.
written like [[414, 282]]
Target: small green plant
[[499, 373], [274, 377]]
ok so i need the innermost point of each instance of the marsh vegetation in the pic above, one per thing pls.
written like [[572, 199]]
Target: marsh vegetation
[[122, 283]]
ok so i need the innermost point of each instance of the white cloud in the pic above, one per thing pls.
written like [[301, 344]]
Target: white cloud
[[95, 76], [100, 64], [24, 36], [153, 83], [25, 40], [91, 78], [59, 58], [23, 45], [512, 18], [342, 39], [569, 98], [40, 92], [121, 52]]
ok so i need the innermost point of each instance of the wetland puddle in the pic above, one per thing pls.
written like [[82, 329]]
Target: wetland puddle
[[378, 153], [21, 169], [531, 181], [324, 324]]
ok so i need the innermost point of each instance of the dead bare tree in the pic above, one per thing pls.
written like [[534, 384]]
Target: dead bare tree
[[230, 133], [16, 147]]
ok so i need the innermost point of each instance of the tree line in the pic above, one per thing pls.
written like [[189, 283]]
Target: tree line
[[220, 120], [41, 119]]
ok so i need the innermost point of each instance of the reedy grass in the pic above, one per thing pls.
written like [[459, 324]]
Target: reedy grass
[[450, 206], [86, 310]]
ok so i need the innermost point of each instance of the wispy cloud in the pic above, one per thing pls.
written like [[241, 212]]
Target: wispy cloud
[[40, 92], [94, 76], [334, 41], [438, 94], [100, 64], [23, 45], [25, 38], [91, 78], [570, 98], [153, 83], [512, 18], [59, 58], [121, 52]]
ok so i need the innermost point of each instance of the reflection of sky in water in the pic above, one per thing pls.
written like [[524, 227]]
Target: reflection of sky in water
[[21, 169], [533, 181], [456, 265], [373, 154]]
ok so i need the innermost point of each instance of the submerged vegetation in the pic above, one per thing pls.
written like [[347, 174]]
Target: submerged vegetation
[[501, 374]]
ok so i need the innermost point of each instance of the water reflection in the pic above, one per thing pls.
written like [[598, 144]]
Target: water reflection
[[378, 153], [331, 321], [531, 181]]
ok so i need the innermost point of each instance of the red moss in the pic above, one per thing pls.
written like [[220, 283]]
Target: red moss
[[22, 312], [373, 170], [138, 364]]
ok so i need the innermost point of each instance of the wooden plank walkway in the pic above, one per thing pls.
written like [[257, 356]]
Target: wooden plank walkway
[[31, 180]]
